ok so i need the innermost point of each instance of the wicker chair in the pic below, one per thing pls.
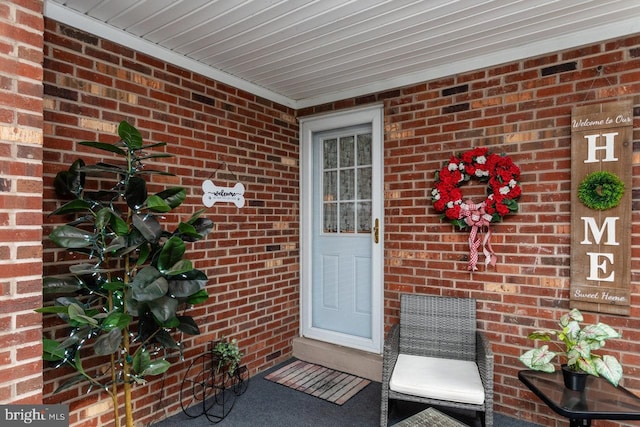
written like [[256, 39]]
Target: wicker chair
[[436, 328]]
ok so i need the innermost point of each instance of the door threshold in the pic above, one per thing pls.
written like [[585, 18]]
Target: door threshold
[[356, 362]]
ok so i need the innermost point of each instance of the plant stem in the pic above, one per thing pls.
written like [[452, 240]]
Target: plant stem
[[114, 392], [126, 367]]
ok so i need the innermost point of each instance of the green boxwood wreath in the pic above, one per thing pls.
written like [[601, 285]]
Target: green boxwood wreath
[[601, 190]]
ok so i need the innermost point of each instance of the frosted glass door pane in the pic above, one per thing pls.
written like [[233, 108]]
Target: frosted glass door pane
[[347, 217], [330, 186], [364, 149], [364, 183], [347, 184], [330, 217], [330, 155], [364, 217], [346, 152]]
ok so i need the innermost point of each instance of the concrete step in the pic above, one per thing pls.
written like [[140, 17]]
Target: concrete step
[[356, 362]]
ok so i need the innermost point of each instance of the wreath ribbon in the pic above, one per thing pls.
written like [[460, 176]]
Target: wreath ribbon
[[474, 216], [501, 176]]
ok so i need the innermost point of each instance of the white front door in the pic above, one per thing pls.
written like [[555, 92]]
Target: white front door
[[341, 228]]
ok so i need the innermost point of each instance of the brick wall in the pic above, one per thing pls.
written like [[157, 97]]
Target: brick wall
[[522, 109], [251, 258], [20, 201]]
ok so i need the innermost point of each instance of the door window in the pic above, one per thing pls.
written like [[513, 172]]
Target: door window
[[346, 175]]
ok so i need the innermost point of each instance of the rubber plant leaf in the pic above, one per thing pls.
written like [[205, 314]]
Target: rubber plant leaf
[[180, 267], [80, 269], [196, 230], [116, 244], [155, 156], [108, 343], [155, 145], [77, 314], [61, 285], [136, 192], [51, 350], [70, 383], [157, 367], [164, 308], [118, 225], [203, 226], [116, 320], [114, 285], [145, 251], [173, 196], [67, 236], [188, 230], [196, 215], [57, 309], [130, 135], [166, 340], [149, 285], [198, 298], [104, 167], [134, 308], [188, 325], [141, 360], [188, 284], [71, 182], [104, 147], [155, 172], [102, 218], [148, 226], [172, 252], [77, 205], [156, 204], [171, 323]]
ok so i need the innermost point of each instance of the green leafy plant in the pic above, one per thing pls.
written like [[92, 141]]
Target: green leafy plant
[[579, 344], [228, 354], [133, 284]]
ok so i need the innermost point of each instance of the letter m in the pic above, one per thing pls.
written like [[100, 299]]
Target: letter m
[[591, 228]]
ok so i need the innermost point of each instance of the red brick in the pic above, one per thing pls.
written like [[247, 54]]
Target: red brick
[[20, 269]]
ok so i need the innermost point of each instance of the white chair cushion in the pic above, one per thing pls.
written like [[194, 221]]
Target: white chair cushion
[[434, 378]]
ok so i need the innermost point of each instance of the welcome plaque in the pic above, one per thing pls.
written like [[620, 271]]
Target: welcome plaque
[[601, 141]]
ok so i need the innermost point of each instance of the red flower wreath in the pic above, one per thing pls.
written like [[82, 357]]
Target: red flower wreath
[[503, 189]]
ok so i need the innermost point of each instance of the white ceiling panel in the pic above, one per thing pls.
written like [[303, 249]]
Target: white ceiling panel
[[307, 52]]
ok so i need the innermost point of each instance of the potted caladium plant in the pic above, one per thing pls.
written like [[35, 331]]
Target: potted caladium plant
[[577, 345], [228, 354], [132, 284]]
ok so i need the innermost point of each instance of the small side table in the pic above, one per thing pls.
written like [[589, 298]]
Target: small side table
[[430, 417], [599, 400]]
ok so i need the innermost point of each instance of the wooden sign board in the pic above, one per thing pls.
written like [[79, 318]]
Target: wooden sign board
[[601, 140]]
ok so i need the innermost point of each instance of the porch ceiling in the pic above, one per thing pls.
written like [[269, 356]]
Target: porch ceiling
[[307, 52]]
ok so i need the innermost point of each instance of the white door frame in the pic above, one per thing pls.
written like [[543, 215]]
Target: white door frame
[[372, 114]]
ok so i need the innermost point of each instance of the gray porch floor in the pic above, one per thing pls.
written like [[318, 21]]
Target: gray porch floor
[[267, 404]]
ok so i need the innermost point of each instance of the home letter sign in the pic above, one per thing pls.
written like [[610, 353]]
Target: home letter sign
[[601, 152]]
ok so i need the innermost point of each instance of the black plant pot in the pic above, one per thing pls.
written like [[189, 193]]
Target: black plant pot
[[574, 380]]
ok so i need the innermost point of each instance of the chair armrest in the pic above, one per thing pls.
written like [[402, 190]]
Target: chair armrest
[[484, 359], [391, 352]]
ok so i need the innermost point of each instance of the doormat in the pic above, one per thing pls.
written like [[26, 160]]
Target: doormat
[[315, 380]]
